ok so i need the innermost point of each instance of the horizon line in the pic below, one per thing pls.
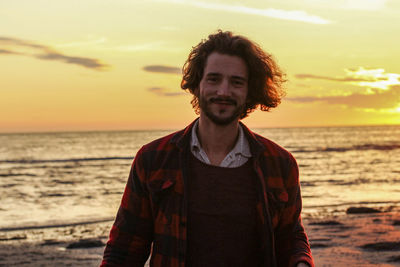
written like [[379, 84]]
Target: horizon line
[[177, 129]]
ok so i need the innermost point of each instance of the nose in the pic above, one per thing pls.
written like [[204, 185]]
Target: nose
[[223, 88]]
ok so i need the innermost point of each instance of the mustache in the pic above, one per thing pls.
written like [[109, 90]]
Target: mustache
[[223, 100]]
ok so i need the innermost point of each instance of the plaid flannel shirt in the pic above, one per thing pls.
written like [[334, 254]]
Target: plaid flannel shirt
[[152, 216]]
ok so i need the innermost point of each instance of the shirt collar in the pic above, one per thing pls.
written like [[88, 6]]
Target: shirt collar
[[194, 140], [241, 147]]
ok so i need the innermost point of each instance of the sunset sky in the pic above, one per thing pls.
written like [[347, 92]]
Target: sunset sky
[[116, 65]]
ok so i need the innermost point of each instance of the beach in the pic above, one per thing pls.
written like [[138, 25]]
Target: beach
[[60, 192], [359, 239], [365, 239]]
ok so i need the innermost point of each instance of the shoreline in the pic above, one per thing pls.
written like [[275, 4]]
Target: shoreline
[[56, 225], [364, 239], [360, 239]]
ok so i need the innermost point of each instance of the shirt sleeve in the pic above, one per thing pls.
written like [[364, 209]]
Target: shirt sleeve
[[292, 246], [132, 232]]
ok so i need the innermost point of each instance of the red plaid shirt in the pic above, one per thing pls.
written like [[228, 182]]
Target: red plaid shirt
[[153, 211]]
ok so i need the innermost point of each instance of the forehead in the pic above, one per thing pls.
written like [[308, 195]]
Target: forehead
[[225, 65]]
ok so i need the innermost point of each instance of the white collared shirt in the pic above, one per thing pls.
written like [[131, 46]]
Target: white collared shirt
[[238, 156]]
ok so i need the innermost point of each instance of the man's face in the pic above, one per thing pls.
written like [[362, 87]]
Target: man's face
[[223, 88]]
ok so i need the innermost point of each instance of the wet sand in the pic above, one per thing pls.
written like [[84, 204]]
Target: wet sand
[[371, 239], [354, 239]]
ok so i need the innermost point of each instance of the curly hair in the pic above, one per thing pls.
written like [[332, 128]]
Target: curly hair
[[265, 77]]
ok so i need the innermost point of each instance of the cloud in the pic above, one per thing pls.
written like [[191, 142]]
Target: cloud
[[162, 69], [83, 61], [373, 78], [100, 43], [294, 15], [6, 51], [336, 79], [44, 52], [19, 42], [162, 92], [378, 99]]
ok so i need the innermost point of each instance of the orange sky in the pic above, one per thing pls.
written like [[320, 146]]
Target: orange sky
[[101, 65]]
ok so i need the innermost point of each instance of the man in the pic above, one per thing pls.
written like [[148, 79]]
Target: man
[[215, 194]]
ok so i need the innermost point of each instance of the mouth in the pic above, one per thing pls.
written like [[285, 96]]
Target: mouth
[[223, 101]]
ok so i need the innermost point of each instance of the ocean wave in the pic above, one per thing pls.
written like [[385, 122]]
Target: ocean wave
[[35, 161], [350, 148], [55, 225], [350, 182], [390, 204], [17, 174]]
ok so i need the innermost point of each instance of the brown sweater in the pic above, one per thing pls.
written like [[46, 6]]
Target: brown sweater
[[222, 216]]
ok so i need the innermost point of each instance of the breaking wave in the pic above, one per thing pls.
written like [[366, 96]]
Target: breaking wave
[[350, 148], [28, 161]]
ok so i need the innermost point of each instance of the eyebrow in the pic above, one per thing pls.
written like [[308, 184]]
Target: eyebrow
[[240, 78], [234, 76]]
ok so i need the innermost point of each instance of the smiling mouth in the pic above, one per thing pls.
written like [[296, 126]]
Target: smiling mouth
[[223, 101]]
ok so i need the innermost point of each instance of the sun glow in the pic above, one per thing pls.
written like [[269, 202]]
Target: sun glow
[[110, 67], [375, 78], [392, 111]]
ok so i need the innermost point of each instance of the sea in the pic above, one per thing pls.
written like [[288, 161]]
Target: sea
[[49, 179]]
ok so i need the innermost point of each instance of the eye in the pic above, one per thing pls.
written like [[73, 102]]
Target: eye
[[238, 83], [212, 79]]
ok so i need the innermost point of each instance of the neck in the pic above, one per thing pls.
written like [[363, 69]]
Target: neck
[[217, 140]]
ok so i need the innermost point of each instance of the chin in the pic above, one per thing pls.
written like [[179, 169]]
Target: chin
[[222, 120]]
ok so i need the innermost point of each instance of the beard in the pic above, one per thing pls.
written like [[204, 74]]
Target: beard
[[205, 107]]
